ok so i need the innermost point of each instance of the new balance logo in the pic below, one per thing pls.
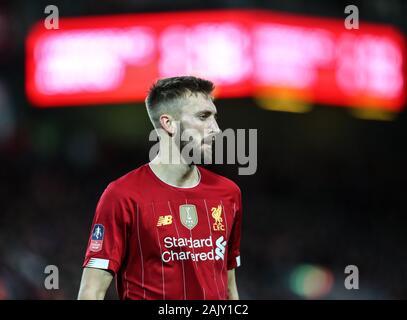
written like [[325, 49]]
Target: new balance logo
[[164, 220], [220, 248]]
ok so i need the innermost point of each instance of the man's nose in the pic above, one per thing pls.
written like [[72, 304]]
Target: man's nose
[[215, 128]]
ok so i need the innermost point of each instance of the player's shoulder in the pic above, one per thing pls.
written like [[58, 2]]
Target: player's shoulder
[[216, 179], [128, 182]]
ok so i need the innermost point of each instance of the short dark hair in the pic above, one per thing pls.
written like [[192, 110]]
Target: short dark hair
[[168, 89]]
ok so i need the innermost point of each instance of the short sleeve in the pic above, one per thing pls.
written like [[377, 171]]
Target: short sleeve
[[234, 238], [108, 236]]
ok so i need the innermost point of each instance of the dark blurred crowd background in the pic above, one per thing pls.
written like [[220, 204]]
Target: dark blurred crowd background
[[329, 191]]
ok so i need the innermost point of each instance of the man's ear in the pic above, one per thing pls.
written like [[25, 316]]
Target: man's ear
[[168, 124]]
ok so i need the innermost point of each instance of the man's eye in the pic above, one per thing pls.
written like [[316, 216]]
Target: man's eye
[[202, 116]]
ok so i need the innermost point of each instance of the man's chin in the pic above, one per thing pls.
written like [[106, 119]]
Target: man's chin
[[204, 158], [200, 156], [207, 156]]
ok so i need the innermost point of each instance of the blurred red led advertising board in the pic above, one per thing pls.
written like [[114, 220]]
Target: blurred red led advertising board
[[114, 59]]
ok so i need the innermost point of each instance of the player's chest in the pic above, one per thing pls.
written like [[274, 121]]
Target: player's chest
[[196, 218]]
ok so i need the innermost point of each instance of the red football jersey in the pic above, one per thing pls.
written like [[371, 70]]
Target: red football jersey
[[166, 242]]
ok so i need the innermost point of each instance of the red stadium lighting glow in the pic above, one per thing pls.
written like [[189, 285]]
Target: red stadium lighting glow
[[114, 59]]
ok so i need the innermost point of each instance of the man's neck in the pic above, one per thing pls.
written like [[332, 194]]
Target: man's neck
[[179, 175]]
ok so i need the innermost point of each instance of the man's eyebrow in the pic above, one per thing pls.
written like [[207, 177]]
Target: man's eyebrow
[[207, 112]]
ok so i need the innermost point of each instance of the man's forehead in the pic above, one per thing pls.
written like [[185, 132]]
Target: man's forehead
[[198, 102]]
